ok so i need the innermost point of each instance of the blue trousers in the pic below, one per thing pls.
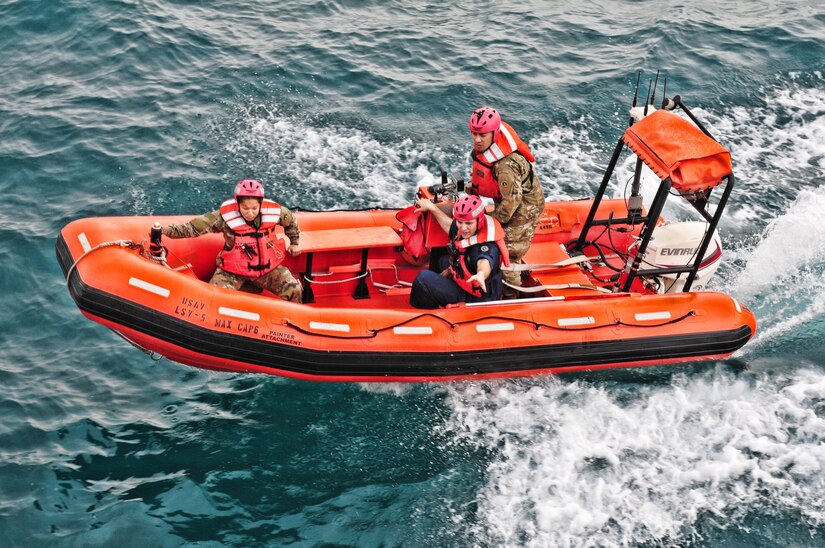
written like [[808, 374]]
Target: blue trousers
[[432, 290]]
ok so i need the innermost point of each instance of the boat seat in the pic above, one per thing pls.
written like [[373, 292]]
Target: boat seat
[[338, 239], [548, 253], [394, 291], [363, 238], [545, 253], [372, 264]]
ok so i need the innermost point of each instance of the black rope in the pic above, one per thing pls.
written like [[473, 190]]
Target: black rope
[[327, 335], [503, 318], [674, 320], [405, 322], [536, 325]]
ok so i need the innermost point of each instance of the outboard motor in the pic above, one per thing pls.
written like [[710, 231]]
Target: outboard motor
[[676, 245], [689, 163]]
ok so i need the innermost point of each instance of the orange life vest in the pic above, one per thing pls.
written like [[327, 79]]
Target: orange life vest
[[255, 251], [412, 233], [507, 142], [489, 230]]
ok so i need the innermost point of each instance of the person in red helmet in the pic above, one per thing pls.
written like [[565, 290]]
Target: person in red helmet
[[502, 169], [471, 272], [251, 253]]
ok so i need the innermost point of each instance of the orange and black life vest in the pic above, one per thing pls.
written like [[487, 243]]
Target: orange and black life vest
[[507, 142], [255, 251]]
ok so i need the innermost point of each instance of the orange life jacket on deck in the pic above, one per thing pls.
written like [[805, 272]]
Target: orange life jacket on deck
[[489, 230], [412, 233], [507, 142], [254, 252]]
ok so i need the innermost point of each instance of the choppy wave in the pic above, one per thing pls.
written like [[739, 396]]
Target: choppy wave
[[155, 108], [584, 464]]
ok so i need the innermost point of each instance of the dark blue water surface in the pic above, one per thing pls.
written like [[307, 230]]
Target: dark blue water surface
[[145, 107]]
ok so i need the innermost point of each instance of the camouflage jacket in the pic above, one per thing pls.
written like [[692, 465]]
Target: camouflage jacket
[[517, 187], [213, 222]]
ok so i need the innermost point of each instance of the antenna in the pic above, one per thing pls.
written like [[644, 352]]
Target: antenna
[[655, 83], [647, 97], [636, 92], [664, 95], [635, 97]]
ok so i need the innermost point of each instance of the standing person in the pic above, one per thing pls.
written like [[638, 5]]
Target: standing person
[[471, 272], [503, 170], [251, 252]]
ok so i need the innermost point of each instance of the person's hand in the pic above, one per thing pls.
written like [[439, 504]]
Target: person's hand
[[468, 188], [424, 204], [294, 249], [478, 280]]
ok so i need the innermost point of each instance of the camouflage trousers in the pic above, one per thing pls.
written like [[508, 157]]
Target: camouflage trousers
[[517, 235], [279, 281]]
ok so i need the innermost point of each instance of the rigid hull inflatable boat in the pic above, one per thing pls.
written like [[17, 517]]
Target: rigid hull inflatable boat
[[609, 285]]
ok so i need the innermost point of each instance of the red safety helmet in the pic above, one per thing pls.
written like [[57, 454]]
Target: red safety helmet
[[485, 120], [249, 188], [468, 207]]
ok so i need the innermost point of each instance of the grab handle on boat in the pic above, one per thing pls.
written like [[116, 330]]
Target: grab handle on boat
[[155, 244]]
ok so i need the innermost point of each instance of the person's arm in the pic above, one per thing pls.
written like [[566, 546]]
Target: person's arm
[[486, 256], [290, 224], [509, 172], [444, 220], [483, 271], [208, 222]]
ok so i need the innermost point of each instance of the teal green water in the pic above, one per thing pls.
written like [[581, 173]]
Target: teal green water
[[158, 107]]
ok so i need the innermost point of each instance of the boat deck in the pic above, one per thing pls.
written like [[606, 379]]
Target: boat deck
[[382, 283], [366, 270]]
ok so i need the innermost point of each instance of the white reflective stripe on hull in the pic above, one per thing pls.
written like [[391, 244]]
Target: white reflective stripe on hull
[[648, 316], [567, 322], [151, 288], [240, 314], [492, 327], [323, 326]]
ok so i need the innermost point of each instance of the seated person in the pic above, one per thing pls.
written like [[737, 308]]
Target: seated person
[[471, 270], [251, 253]]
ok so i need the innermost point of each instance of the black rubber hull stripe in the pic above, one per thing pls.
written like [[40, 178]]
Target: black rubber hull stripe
[[322, 363]]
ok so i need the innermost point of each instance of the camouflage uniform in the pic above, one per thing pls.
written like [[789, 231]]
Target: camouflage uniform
[[279, 280], [518, 210]]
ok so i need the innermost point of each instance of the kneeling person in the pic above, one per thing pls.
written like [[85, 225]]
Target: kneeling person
[[471, 272], [251, 253]]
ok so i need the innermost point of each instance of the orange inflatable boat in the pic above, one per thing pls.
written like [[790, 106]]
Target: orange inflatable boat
[[599, 290]]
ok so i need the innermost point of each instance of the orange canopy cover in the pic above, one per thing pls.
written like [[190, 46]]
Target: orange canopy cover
[[673, 147]]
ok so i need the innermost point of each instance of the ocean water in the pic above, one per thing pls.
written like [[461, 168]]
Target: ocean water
[[143, 107]]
